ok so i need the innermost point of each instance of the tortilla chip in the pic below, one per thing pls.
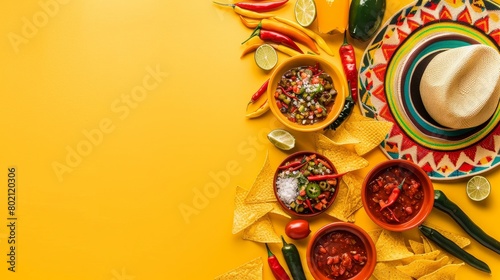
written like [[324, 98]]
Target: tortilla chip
[[446, 272], [375, 234], [278, 210], [425, 256], [357, 117], [391, 246], [370, 133], [341, 136], [246, 214], [458, 239], [419, 268], [261, 231], [262, 188], [251, 270], [337, 209], [351, 218], [416, 247], [428, 246], [388, 271], [354, 202], [343, 159]]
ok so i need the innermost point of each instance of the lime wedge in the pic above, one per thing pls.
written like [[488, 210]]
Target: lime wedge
[[282, 139], [478, 188], [305, 12], [266, 57]]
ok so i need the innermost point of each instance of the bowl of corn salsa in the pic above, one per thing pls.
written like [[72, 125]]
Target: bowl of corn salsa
[[341, 251], [306, 184], [307, 92], [397, 195]]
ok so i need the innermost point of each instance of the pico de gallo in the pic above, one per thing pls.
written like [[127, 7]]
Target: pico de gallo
[[305, 94], [306, 183], [395, 195], [339, 255]]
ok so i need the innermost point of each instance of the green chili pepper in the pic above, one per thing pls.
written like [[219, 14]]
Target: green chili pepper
[[453, 248], [346, 111], [442, 203], [313, 190], [292, 258], [365, 17]]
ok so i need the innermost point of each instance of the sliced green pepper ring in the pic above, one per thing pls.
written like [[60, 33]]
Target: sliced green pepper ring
[[313, 190]]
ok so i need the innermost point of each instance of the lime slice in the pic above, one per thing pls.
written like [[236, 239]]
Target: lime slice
[[305, 12], [282, 139], [478, 188], [266, 57]]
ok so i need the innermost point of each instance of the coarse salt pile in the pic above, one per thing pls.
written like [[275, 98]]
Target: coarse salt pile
[[287, 189]]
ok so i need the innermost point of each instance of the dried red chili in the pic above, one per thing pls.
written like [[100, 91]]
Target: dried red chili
[[276, 268], [348, 59], [268, 35], [256, 6]]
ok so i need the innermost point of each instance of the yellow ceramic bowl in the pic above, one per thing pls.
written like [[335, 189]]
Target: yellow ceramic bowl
[[339, 83]]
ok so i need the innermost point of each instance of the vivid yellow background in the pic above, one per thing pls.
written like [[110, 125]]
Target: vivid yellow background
[[118, 114]]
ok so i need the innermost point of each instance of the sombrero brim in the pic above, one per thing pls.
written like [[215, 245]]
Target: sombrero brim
[[390, 73]]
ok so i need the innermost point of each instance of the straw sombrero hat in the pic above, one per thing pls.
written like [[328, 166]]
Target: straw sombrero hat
[[397, 85], [460, 87]]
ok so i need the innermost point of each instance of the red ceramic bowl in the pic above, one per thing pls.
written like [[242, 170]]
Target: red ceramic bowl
[[414, 201], [330, 238], [319, 194]]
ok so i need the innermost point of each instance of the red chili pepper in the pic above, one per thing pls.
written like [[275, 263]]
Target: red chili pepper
[[291, 164], [278, 103], [348, 59], [393, 215], [289, 95], [308, 203], [282, 89], [392, 197], [268, 35], [325, 163], [298, 167], [276, 268], [324, 177], [259, 92], [256, 6]]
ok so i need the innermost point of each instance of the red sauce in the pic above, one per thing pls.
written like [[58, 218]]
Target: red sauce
[[340, 255], [409, 200]]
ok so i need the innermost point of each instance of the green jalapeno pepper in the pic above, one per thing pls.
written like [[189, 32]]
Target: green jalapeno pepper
[[346, 111], [292, 258], [442, 203], [365, 17], [453, 248], [313, 190]]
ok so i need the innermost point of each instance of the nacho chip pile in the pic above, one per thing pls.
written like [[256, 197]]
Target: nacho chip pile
[[406, 259], [253, 208]]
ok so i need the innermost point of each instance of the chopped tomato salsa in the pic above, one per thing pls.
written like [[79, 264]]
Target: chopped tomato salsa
[[340, 255], [395, 195]]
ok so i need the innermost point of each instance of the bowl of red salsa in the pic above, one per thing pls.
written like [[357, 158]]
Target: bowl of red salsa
[[341, 251], [306, 184], [306, 92], [397, 195]]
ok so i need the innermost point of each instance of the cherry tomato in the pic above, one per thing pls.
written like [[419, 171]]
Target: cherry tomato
[[297, 229]]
